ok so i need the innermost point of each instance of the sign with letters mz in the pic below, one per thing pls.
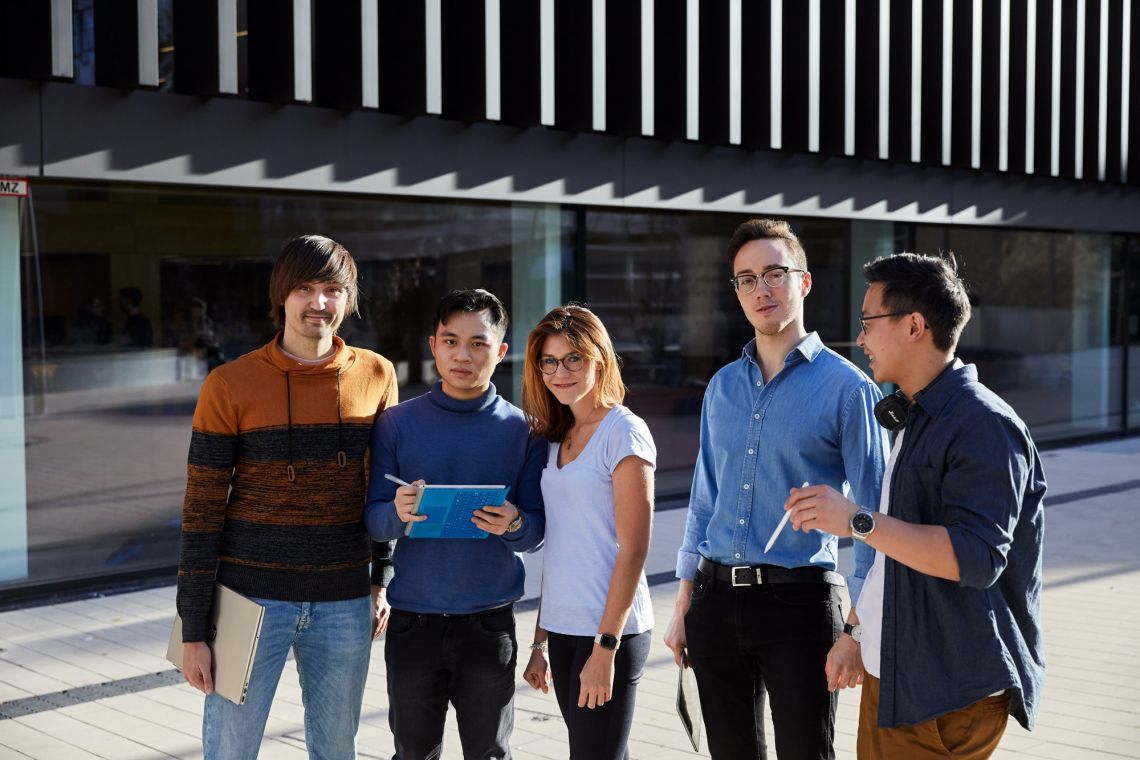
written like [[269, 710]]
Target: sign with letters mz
[[13, 186]]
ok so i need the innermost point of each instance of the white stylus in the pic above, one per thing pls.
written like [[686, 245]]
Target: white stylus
[[396, 480], [780, 527]]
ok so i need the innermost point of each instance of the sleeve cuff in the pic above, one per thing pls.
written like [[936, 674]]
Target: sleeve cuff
[[194, 630], [687, 564]]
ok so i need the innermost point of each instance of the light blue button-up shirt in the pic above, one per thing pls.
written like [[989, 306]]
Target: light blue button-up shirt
[[813, 421]]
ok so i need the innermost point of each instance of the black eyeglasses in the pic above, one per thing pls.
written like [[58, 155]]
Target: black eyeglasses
[[776, 277], [572, 362], [864, 320]]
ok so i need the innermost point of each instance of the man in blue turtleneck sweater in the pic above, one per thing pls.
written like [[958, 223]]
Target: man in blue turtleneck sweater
[[451, 634]]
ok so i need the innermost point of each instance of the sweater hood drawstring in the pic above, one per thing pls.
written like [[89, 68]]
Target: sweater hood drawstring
[[289, 471], [341, 456]]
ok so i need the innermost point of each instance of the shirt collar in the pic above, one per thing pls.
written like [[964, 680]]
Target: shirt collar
[[810, 347], [935, 398]]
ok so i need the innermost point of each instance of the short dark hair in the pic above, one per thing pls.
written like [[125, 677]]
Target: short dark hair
[[472, 300], [929, 285], [767, 229], [310, 258], [132, 294]]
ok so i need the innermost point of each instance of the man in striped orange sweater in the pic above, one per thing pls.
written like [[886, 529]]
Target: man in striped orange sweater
[[275, 496]]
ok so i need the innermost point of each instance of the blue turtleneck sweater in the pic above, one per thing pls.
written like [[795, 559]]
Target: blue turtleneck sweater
[[450, 441]]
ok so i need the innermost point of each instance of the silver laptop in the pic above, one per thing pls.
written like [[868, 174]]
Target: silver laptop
[[235, 629]]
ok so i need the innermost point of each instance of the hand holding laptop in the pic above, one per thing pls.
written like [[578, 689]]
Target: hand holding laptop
[[197, 666]]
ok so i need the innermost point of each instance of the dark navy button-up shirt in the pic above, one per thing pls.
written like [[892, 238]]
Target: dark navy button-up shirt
[[813, 421], [967, 463]]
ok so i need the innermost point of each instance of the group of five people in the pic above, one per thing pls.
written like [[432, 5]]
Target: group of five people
[[287, 503]]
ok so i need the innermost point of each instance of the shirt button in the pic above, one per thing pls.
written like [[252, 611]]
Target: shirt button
[[758, 383], [752, 451], [742, 522], [737, 555], [756, 416], [746, 486]]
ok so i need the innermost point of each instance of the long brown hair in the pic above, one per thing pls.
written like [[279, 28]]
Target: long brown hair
[[587, 336]]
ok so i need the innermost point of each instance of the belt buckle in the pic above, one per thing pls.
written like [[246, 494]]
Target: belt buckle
[[754, 580]]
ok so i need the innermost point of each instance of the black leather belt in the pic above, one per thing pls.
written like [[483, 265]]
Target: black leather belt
[[759, 575], [439, 616]]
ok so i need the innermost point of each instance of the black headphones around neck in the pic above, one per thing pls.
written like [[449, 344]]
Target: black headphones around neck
[[892, 411]]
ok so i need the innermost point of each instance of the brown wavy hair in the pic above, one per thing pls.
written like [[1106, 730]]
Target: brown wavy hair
[[587, 335]]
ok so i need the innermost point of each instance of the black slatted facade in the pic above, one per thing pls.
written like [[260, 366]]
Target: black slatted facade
[[338, 51]]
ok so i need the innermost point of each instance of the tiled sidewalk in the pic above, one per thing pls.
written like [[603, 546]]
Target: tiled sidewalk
[[1091, 707]]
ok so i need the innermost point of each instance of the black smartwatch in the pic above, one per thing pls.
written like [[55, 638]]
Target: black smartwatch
[[607, 641], [862, 525]]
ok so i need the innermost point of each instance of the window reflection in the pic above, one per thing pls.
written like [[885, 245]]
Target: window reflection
[[1040, 332], [135, 294]]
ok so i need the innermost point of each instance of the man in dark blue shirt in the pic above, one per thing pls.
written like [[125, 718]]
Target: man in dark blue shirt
[[950, 611]]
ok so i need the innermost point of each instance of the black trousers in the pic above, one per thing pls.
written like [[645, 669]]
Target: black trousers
[[467, 660], [776, 636], [601, 733]]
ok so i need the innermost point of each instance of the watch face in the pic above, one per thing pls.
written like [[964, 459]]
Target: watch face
[[862, 523], [607, 641]]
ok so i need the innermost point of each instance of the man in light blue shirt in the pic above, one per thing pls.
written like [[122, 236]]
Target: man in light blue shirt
[[788, 412]]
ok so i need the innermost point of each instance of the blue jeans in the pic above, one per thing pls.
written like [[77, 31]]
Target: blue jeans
[[332, 642]]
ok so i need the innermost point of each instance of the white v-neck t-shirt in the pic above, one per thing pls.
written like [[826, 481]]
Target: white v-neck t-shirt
[[581, 534]]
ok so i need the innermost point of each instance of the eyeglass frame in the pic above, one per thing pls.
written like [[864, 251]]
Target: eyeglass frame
[[734, 281], [561, 362], [864, 320]]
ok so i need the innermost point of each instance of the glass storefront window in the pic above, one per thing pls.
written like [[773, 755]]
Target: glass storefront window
[[1040, 332], [134, 294], [1127, 249]]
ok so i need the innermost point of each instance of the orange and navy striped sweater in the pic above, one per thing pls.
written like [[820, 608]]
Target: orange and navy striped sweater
[[276, 481]]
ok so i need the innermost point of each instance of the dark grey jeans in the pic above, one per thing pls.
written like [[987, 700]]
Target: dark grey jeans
[[467, 660]]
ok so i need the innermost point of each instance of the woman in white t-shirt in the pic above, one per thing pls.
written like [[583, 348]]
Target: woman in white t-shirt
[[595, 613]]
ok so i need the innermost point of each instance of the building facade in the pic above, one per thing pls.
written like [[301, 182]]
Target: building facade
[[548, 150]]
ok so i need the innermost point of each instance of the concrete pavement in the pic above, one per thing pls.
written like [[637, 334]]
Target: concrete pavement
[[87, 679]]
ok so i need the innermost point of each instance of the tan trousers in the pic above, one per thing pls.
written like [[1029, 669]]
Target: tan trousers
[[971, 733]]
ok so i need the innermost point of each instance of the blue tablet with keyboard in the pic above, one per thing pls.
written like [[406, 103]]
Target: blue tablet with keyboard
[[449, 510]]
